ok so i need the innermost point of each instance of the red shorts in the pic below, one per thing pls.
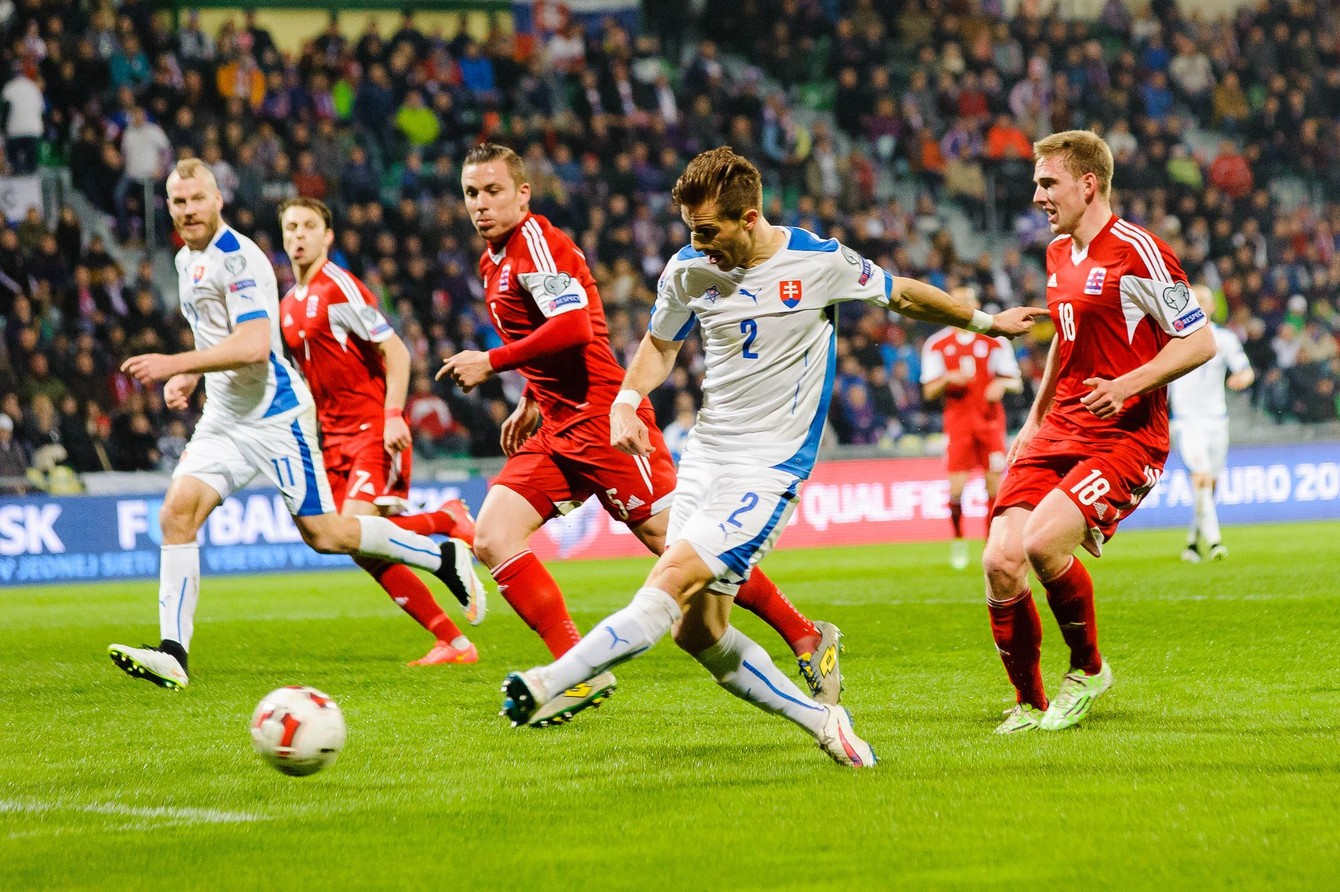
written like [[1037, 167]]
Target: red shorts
[[555, 472], [359, 467], [970, 448], [1105, 479]]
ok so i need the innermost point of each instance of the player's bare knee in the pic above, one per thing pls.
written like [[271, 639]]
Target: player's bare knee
[[1047, 559], [1003, 567], [494, 549]]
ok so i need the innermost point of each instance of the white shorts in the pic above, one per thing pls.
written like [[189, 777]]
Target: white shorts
[[731, 514], [1202, 443], [227, 454]]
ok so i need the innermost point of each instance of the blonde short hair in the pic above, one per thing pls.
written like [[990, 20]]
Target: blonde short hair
[[1081, 152], [195, 169]]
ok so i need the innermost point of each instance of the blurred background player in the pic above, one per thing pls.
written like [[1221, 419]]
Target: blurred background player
[[546, 308], [1200, 427], [258, 419], [972, 372], [358, 371], [765, 297], [1097, 436]]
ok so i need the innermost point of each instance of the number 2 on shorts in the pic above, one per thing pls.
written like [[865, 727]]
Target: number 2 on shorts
[[748, 503]]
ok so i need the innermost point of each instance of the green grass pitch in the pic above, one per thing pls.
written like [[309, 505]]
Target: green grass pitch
[[1212, 763]]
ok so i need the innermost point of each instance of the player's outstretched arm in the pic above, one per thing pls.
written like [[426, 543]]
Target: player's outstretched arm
[[1178, 356], [923, 301], [249, 343], [650, 367]]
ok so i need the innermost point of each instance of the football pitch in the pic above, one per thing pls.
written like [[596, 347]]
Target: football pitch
[[1212, 763]]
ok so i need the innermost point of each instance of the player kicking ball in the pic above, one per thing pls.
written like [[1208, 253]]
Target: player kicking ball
[[1097, 436], [765, 298], [358, 372], [258, 420]]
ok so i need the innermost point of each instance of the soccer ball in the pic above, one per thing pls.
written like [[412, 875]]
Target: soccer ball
[[298, 730]]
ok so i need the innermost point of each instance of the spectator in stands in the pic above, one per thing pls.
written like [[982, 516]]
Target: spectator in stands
[[147, 154], [13, 459], [24, 104]]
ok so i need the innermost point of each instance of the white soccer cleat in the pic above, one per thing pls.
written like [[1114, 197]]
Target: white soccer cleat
[[150, 664], [583, 695], [1218, 552], [958, 554], [1191, 555], [457, 570], [1075, 699], [1022, 717], [839, 740]]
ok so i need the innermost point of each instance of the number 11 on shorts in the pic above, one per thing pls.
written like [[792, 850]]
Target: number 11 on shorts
[[283, 471]]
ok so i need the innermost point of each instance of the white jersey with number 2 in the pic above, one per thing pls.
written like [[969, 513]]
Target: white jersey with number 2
[[770, 342]]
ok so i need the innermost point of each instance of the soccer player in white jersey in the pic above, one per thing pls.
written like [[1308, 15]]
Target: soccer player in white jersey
[[258, 419], [1200, 427], [765, 297]]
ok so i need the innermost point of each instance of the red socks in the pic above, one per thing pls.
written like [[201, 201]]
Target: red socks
[[1071, 598], [761, 596], [956, 517], [413, 597], [1017, 629], [429, 523], [534, 595]]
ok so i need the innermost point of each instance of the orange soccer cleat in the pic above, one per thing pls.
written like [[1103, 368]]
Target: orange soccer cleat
[[464, 520], [443, 652]]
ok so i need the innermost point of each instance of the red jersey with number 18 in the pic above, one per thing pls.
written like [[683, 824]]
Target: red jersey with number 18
[[1115, 305], [539, 274]]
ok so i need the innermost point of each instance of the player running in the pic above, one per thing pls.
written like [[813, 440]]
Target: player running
[[1097, 436], [1200, 425], [973, 373], [766, 298], [258, 419], [358, 371], [544, 304]]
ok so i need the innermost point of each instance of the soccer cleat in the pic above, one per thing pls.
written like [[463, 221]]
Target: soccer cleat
[[838, 739], [823, 675], [465, 521], [1191, 555], [958, 554], [443, 652], [1023, 717], [457, 570], [150, 664], [1075, 699], [1218, 552], [526, 705]]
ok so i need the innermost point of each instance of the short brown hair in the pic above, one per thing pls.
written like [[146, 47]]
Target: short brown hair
[[487, 152], [1081, 151], [722, 176], [312, 204]]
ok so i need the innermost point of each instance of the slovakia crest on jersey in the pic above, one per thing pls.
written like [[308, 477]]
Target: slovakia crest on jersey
[[197, 273], [791, 291], [1094, 283]]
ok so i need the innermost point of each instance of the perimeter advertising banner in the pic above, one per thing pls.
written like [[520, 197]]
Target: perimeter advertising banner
[[47, 540]]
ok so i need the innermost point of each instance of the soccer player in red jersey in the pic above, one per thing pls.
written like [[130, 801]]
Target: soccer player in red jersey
[[545, 306], [1097, 436], [972, 372], [358, 372]]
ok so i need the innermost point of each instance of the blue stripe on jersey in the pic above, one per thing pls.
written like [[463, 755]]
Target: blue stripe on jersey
[[688, 253], [285, 397], [311, 499], [802, 463], [804, 240], [249, 315], [688, 327], [228, 242], [738, 557], [888, 286]]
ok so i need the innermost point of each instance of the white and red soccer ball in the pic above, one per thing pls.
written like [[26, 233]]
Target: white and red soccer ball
[[298, 730]]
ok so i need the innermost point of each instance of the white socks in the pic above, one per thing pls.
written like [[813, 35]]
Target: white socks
[[178, 592], [745, 669], [380, 538], [619, 637], [1207, 516]]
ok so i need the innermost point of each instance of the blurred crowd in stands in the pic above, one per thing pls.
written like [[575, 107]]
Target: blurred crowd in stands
[[875, 122]]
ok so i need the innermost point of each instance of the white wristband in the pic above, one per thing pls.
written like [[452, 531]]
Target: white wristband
[[981, 322], [627, 397]]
